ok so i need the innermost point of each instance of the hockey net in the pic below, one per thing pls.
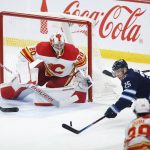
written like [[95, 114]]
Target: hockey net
[[19, 30]]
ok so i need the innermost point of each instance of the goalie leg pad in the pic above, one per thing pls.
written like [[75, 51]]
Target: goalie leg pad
[[9, 92], [81, 99], [81, 96]]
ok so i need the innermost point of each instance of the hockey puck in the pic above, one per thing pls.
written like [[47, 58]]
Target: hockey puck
[[16, 109], [71, 123], [12, 109]]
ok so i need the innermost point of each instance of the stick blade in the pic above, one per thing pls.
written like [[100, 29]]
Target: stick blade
[[65, 126]]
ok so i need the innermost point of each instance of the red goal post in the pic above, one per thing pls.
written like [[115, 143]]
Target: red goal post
[[54, 18]]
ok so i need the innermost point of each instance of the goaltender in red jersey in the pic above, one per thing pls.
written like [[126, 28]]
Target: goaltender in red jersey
[[58, 63]]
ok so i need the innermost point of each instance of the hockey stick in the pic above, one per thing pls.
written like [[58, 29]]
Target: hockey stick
[[2, 66], [49, 98], [44, 95], [79, 131], [11, 109], [145, 71], [108, 73], [10, 71]]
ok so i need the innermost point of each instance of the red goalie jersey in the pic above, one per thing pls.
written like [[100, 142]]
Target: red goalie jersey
[[138, 134], [54, 66]]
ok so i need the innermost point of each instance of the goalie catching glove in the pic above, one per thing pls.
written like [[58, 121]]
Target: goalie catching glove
[[84, 82]]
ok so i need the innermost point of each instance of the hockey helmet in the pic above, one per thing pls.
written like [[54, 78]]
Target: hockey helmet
[[57, 41], [121, 63], [141, 106]]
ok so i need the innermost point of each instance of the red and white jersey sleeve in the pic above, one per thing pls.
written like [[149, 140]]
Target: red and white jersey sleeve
[[138, 134], [60, 67], [81, 60], [29, 53]]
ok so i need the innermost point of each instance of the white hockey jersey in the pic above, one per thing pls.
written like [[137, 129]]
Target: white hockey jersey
[[137, 136]]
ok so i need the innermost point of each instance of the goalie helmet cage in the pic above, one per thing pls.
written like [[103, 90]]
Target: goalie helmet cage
[[70, 20]]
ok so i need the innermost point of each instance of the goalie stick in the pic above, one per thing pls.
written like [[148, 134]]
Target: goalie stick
[[11, 109], [49, 98], [108, 73], [65, 126]]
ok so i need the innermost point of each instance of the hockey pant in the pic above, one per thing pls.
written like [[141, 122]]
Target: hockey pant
[[50, 81]]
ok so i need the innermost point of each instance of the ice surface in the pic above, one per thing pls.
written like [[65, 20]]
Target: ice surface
[[36, 128], [39, 128]]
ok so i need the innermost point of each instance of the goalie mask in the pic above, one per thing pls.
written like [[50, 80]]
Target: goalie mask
[[57, 41]]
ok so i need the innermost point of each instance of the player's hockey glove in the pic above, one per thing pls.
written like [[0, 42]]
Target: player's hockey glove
[[110, 113]]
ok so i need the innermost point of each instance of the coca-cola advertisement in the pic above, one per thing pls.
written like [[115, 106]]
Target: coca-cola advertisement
[[119, 24], [70, 73], [125, 26]]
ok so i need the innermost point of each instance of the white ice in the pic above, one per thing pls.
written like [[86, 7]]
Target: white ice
[[36, 128], [40, 128]]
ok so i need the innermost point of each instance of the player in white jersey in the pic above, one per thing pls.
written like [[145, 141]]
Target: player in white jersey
[[59, 62], [137, 136]]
